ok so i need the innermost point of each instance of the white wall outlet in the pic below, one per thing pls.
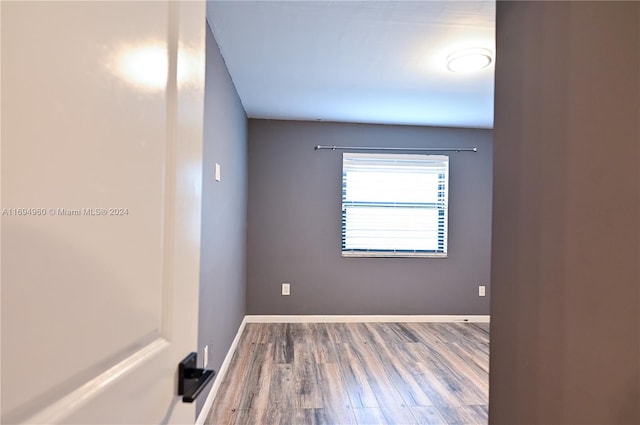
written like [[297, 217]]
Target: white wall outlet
[[205, 356], [217, 172], [481, 291], [286, 289]]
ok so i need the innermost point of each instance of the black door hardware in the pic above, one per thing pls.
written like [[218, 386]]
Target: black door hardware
[[191, 380]]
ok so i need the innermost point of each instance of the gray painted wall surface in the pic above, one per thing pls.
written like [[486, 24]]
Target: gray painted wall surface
[[223, 246], [294, 225], [565, 310]]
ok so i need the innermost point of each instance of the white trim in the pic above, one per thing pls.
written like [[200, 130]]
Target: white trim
[[364, 318], [392, 254], [221, 374]]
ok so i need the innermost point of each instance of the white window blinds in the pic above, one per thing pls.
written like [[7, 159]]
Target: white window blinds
[[394, 205]]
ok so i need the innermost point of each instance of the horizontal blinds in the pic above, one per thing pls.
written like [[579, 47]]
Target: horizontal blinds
[[395, 203]]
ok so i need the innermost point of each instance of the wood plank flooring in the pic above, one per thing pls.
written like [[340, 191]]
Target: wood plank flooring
[[356, 374]]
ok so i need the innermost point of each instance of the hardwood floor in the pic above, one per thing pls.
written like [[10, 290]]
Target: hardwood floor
[[356, 373]]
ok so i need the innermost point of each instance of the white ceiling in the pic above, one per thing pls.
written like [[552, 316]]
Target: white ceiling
[[357, 61]]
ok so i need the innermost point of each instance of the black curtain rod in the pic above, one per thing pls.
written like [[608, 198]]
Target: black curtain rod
[[370, 148]]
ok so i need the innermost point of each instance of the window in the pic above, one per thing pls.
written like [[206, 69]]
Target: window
[[394, 205]]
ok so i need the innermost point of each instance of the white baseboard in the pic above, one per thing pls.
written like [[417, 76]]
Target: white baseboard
[[365, 318], [308, 318], [221, 374]]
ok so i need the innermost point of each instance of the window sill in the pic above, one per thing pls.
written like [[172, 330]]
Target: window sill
[[364, 254]]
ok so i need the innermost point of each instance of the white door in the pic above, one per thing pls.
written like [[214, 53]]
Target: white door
[[101, 126]]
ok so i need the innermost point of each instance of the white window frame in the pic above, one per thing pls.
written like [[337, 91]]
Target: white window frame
[[416, 220]]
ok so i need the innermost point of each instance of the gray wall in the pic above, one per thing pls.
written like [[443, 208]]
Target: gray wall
[[223, 249], [294, 225], [565, 310]]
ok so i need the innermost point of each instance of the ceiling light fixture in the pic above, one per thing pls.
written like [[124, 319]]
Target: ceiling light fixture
[[469, 60]]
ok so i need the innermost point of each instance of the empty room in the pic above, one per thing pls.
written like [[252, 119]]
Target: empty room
[[320, 212], [368, 210]]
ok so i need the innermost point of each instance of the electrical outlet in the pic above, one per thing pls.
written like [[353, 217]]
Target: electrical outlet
[[481, 291], [286, 289], [205, 356]]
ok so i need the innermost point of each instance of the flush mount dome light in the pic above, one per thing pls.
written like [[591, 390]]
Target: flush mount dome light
[[469, 60]]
